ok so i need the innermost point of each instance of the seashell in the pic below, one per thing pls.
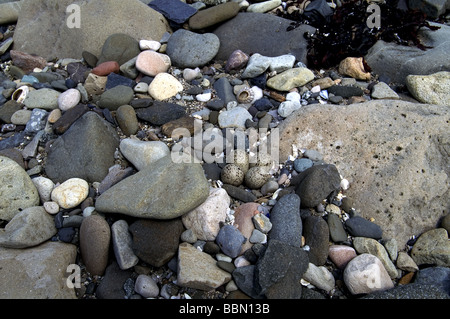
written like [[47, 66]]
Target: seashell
[[245, 95], [20, 94]]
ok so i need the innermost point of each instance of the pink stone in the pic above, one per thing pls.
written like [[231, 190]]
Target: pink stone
[[152, 63], [340, 255], [105, 68], [236, 61], [243, 220]]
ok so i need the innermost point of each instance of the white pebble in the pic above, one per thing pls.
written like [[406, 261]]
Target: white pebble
[[149, 45], [88, 211], [345, 184], [205, 97], [316, 89], [51, 207], [241, 262], [70, 193]]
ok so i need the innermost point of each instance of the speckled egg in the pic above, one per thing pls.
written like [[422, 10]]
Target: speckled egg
[[240, 158], [232, 174], [257, 176]]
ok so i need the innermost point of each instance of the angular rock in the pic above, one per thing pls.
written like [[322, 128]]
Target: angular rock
[[279, 271], [366, 274], [382, 91], [85, 150], [68, 118], [198, 270], [143, 153], [243, 220], [29, 228], [122, 245], [187, 49], [397, 173], [433, 248], [156, 241], [112, 284], [271, 38], [8, 109], [174, 10], [320, 277], [38, 272], [17, 189], [185, 180], [431, 89], [287, 225], [95, 236], [406, 263], [371, 246], [97, 23], [317, 183], [230, 240], [290, 79], [245, 280], [27, 62], [234, 118], [204, 221]]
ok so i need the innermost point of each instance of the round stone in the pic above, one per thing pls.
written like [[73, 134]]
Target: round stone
[[44, 186], [151, 63], [105, 68], [51, 207], [164, 86], [146, 286], [71, 193], [127, 120], [232, 174], [68, 99], [257, 176]]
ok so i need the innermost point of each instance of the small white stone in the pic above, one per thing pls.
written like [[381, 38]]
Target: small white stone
[[344, 184], [69, 99], [88, 211], [241, 262], [70, 193], [44, 187], [141, 87], [205, 97], [316, 89], [191, 74], [223, 257], [149, 45], [51, 207]]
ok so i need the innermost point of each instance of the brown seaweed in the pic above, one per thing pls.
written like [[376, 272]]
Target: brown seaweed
[[346, 33]]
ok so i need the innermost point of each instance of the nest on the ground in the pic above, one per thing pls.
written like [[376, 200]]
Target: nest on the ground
[[346, 32]]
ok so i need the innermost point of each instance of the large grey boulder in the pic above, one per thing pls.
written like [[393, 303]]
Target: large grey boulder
[[41, 22], [395, 154], [398, 61], [269, 38]]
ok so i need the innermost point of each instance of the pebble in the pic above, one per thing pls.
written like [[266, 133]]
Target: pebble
[[258, 237], [269, 188], [68, 99], [433, 248], [149, 45], [264, 6], [46, 99], [152, 63], [340, 255], [366, 274], [30, 227], [188, 236], [290, 79], [337, 231], [301, 164], [37, 121], [232, 174], [286, 222], [213, 15], [243, 220], [371, 246], [236, 61], [8, 110], [71, 193], [122, 245], [320, 277], [143, 153], [191, 74], [234, 118], [164, 86], [95, 236], [382, 91], [230, 240], [113, 98], [188, 49], [105, 68], [146, 286], [239, 193], [358, 226], [430, 89], [51, 207], [262, 223], [141, 87], [406, 263], [44, 187], [241, 262], [316, 233], [204, 221], [127, 120], [54, 116]]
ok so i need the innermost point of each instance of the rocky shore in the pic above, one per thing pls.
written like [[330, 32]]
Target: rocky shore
[[172, 150]]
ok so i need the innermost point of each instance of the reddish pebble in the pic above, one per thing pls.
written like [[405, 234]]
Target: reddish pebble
[[106, 68], [340, 255]]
